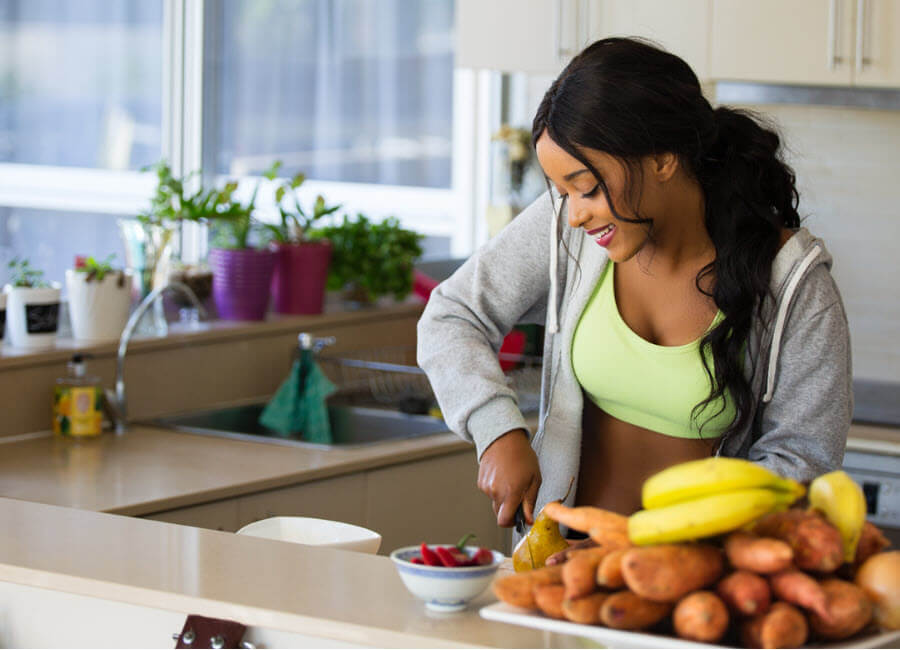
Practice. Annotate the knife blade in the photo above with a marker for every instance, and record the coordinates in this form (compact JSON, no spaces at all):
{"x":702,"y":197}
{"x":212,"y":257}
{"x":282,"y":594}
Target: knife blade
{"x":521,"y":526}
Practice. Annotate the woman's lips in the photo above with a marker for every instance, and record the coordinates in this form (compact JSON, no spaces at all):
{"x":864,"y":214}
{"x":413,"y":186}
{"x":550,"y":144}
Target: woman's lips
{"x":603,"y":235}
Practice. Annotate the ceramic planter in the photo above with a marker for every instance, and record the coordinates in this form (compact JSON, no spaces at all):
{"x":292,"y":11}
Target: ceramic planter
{"x":298,"y":283}
{"x":242,"y":280}
{"x":32,"y":316}
{"x":98,"y":309}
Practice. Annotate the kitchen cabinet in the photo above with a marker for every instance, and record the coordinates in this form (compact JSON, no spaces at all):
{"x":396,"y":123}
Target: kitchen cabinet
{"x":815,"y":42}
{"x":541,"y":36}
{"x":434,"y":499}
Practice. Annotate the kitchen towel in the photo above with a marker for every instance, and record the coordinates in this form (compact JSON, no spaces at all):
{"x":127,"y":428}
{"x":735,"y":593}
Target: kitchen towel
{"x":299,"y":404}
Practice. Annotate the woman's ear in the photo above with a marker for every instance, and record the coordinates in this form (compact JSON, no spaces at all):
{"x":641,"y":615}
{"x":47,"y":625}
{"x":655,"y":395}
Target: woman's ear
{"x":664,"y":166}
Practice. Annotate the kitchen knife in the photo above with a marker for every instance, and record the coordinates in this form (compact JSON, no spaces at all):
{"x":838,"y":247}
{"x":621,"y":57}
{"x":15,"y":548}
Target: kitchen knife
{"x":520,"y":525}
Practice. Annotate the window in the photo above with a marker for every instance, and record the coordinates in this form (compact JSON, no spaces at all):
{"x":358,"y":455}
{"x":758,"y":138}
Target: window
{"x":357,"y":91}
{"x":361,"y":95}
{"x":80,"y":83}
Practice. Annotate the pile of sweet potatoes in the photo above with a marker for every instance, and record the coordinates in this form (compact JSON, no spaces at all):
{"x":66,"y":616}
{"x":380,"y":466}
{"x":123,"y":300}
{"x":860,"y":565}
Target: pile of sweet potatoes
{"x":775,"y":585}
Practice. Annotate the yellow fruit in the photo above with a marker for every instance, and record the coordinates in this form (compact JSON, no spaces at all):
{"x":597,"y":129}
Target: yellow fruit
{"x":704,"y":516}
{"x":697,"y":478}
{"x":841,"y":500}
{"x":543,"y":540}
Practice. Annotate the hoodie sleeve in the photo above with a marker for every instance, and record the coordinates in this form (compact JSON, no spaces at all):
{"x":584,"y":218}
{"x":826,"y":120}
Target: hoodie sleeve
{"x":805,"y":425}
{"x":459,"y":335}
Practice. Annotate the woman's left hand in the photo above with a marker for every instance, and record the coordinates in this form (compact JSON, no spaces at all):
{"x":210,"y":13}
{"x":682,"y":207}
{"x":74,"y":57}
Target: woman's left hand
{"x":574,"y":545}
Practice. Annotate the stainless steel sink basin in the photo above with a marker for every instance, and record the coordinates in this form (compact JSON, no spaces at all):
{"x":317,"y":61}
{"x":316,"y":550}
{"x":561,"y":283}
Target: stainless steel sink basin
{"x":350,"y":425}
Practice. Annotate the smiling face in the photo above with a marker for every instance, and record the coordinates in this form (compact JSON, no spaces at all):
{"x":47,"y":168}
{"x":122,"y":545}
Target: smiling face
{"x":588,"y":207}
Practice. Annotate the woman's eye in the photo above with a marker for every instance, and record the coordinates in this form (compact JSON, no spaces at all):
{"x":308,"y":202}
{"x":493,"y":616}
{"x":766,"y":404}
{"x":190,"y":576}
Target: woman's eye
{"x":592,"y":192}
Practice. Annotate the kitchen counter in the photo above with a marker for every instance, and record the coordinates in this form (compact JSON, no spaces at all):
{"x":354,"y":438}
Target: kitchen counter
{"x":321,"y":593}
{"x":149,"y":469}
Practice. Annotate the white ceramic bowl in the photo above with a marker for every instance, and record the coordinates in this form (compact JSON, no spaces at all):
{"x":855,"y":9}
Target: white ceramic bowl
{"x":315,"y":532}
{"x":444,"y":589}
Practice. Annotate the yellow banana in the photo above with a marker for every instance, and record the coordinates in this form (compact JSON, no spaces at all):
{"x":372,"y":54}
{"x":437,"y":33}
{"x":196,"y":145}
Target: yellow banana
{"x":705,"y":516}
{"x":698,"y":478}
{"x":843,"y":503}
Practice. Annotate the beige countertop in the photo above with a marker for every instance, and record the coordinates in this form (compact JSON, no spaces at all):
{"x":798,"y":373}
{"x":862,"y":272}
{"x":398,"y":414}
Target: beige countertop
{"x":149,"y":469}
{"x":325,"y":593}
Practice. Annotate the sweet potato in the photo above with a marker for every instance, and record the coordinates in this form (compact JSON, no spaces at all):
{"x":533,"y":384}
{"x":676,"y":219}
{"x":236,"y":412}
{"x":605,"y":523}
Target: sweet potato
{"x":700,"y":616}
{"x":816,"y":544}
{"x":625,"y":610}
{"x":798,"y":588}
{"x":783,"y":626}
{"x":517,"y":589}
{"x":758,"y":554}
{"x":609,"y":571}
{"x":745,"y":593}
{"x":584,"y":610}
{"x":579,"y":573}
{"x":584,"y":518}
{"x":549,"y":599}
{"x":871,"y":541}
{"x":849,"y":610}
{"x":666,"y":572}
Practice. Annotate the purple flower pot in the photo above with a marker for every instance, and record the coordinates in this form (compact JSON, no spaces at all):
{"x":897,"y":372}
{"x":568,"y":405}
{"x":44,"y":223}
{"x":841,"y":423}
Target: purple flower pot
{"x":241,"y":282}
{"x":298,"y":284}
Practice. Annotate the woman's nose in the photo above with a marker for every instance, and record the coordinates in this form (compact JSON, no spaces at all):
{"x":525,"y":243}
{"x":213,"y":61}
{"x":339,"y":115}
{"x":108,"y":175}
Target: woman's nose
{"x":578,"y":215}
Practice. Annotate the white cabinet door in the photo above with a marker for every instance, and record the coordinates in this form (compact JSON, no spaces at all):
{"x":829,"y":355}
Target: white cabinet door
{"x":682,"y":26}
{"x":802,"y":41}
{"x":537,"y":36}
{"x":877,"y":45}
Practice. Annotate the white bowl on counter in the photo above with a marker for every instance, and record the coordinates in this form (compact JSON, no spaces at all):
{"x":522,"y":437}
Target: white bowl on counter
{"x":315,"y":532}
{"x":444,"y":589}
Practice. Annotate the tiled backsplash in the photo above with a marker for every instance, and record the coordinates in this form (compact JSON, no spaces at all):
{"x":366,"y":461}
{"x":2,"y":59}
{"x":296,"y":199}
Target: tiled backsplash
{"x":848,"y":173}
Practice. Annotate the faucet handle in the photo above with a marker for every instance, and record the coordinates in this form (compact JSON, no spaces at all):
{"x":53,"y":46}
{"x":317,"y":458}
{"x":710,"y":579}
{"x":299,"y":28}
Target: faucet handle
{"x":307,"y":341}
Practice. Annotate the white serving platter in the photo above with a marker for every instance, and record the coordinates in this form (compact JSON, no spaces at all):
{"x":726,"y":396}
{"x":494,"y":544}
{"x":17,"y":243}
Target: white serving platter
{"x":622,"y":639}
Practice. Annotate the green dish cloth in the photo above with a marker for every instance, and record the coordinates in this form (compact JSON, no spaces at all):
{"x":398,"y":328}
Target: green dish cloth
{"x":299,"y":404}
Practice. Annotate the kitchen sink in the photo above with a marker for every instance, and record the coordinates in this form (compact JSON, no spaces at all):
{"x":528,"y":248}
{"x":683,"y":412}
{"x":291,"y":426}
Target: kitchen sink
{"x":350,"y":425}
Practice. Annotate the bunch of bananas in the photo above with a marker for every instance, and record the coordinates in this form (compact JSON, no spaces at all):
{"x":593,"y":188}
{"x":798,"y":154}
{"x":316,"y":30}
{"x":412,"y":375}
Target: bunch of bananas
{"x":707,"y":497}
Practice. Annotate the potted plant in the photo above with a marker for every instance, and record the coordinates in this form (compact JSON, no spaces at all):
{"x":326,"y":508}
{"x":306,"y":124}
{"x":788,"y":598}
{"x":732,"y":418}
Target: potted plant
{"x":301,"y":268}
{"x":99,"y":299}
{"x":370,"y":260}
{"x":32,"y":309}
{"x":242,"y":273}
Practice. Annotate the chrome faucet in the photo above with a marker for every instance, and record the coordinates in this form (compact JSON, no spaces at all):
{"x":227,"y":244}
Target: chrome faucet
{"x":117,"y":402}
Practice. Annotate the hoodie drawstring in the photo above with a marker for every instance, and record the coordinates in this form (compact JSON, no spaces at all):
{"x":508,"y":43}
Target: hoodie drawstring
{"x":552,"y":315}
{"x":782,"y":317}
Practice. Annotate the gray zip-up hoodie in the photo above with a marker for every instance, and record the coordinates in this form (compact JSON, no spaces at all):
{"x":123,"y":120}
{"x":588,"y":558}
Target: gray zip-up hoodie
{"x":798,"y":354}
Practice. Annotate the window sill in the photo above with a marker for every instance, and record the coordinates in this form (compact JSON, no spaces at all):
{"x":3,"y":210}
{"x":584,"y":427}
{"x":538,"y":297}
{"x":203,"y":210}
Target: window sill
{"x":209,"y":332}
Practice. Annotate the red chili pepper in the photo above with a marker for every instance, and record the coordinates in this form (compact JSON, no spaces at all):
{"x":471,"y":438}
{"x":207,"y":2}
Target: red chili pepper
{"x":417,"y":560}
{"x":430,"y":557}
{"x":446,"y":556}
{"x":483,"y":556}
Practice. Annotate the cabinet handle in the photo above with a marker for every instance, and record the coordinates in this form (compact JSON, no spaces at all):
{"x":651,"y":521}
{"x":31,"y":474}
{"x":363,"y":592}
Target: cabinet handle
{"x":861,"y":59}
{"x":833,"y":58}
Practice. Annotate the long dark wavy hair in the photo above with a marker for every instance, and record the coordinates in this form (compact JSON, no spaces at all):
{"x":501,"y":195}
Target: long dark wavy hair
{"x":629,"y":98}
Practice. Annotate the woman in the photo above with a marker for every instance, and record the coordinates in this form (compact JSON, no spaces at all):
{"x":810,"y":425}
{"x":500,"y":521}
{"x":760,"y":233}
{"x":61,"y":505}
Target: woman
{"x":687,"y":313}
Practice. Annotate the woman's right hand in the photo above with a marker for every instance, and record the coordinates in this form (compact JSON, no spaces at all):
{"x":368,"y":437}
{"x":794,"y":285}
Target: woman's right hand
{"x":510,"y":475}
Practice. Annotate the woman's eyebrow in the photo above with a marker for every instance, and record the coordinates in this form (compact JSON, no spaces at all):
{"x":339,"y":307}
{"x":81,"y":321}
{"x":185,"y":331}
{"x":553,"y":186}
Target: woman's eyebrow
{"x":572,"y":175}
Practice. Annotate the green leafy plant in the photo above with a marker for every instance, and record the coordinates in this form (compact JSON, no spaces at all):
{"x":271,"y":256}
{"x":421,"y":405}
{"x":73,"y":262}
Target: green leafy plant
{"x":375,"y":258}
{"x":22,"y":274}
{"x":170,"y":202}
{"x":295,"y":222}
{"x":98,"y":270}
{"x":233,"y":221}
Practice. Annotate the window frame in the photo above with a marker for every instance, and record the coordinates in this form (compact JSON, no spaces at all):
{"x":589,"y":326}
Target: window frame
{"x":449,"y":212}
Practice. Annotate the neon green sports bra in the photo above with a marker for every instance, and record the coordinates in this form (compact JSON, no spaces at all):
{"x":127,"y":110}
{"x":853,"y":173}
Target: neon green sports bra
{"x":651,"y":386}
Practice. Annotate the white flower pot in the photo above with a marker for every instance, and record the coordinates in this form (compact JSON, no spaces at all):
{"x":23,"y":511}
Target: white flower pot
{"x":32,"y":316}
{"x":98,"y":310}
{"x":2,"y":315}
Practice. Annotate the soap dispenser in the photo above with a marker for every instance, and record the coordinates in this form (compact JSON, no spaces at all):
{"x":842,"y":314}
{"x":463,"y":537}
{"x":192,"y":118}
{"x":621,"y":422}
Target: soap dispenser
{"x":78,"y":402}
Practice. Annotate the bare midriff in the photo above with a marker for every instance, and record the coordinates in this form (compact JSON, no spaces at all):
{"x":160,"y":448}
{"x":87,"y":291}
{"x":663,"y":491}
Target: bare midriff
{"x":617,"y":456}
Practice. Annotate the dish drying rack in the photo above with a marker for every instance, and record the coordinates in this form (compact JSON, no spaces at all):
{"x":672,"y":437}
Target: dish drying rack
{"x":388,"y":376}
